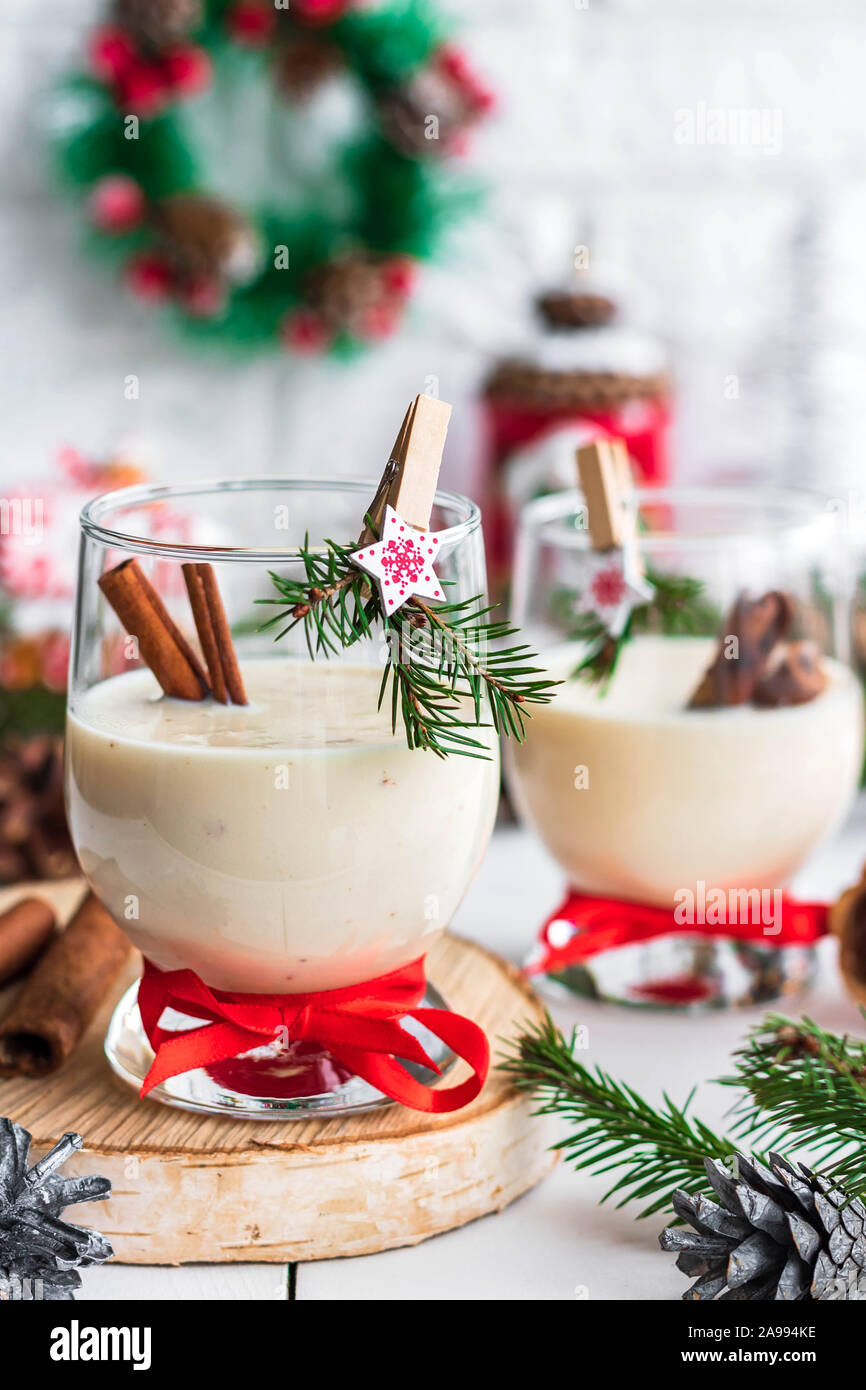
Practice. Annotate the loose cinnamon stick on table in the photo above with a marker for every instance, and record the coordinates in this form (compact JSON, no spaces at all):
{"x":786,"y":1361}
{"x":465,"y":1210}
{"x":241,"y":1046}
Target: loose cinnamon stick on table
{"x":58,"y":1000}
{"x":160,"y":641}
{"x":214,"y":634}
{"x":24,"y":930}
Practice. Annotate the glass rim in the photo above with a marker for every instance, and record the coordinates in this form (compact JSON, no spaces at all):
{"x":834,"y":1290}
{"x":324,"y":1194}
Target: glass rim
{"x":92,"y":514}
{"x":801,"y":509}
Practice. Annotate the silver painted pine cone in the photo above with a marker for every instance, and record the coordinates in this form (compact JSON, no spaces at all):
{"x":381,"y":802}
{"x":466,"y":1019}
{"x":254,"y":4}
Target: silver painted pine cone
{"x":777,"y":1233}
{"x":40,"y":1253}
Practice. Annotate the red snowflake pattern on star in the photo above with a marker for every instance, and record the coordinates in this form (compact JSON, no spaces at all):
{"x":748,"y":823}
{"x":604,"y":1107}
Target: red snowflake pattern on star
{"x":612,"y":586}
{"x":609,"y":588}
{"x":402,"y":562}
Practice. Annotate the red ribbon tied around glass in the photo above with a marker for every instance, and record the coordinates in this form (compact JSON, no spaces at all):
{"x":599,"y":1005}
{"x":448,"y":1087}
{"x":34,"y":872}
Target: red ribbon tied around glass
{"x":358,"y":1025}
{"x":584,"y":925}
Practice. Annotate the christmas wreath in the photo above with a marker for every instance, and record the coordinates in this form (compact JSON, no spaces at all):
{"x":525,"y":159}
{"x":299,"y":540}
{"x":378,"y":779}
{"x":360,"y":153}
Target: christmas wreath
{"x":361,"y":104}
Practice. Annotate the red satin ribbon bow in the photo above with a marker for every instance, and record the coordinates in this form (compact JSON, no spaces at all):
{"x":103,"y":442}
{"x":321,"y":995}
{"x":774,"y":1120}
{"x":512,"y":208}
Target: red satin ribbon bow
{"x":359,"y":1026}
{"x":584,"y":925}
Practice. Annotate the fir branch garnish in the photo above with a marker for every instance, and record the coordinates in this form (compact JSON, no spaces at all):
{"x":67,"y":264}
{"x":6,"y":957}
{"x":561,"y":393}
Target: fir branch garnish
{"x":801,"y":1086}
{"x":614,"y":1128}
{"x":678,"y":608}
{"x":437,"y":657}
{"x":801,"y":1080}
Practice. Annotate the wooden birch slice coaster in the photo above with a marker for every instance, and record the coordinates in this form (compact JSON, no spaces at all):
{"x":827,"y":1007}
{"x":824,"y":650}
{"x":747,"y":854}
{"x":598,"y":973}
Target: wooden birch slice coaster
{"x":190,"y":1187}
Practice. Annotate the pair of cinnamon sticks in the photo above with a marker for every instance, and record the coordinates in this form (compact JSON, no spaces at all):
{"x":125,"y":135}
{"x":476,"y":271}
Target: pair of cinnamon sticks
{"x":72,"y":974}
{"x":162,"y":645}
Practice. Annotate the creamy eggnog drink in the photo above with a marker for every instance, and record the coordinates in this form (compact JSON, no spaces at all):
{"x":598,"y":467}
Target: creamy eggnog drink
{"x":288,"y":845}
{"x":638,"y":796}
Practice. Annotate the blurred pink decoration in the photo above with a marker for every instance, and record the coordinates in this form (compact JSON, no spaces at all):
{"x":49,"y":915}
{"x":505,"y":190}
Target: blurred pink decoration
{"x":37,"y":558}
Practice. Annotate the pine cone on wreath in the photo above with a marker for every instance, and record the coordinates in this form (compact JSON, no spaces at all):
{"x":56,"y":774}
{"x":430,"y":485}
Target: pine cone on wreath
{"x":778,"y":1234}
{"x":36,"y":1246}
{"x":205,"y":241}
{"x":158,"y":23}
{"x":434,"y":109}
{"x":343,"y":290}
{"x":304,"y":62}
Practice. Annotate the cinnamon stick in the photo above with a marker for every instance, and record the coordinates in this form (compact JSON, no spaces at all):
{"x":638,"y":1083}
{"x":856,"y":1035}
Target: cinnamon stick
{"x":160,"y":641}
{"x":206,"y":635}
{"x":24,"y":930}
{"x":794,"y":676}
{"x":58,"y":1000}
{"x":214,"y":634}
{"x":753,"y":629}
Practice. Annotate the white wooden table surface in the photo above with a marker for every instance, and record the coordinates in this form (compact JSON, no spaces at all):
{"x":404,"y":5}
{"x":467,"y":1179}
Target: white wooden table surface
{"x":555,"y":1242}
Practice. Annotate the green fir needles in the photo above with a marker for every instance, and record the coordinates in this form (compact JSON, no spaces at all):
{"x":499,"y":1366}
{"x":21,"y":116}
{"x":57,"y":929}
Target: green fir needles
{"x":446,"y":667}
{"x":800,"y":1088}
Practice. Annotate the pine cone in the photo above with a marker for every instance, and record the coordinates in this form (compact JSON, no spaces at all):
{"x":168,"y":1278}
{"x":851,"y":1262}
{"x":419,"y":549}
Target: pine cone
{"x":34,"y":837}
{"x":36,"y":1247}
{"x":205,"y":240}
{"x":343,"y":291}
{"x":303,"y":63}
{"x":779,"y":1234}
{"x":158,"y":23}
{"x":426,"y":114}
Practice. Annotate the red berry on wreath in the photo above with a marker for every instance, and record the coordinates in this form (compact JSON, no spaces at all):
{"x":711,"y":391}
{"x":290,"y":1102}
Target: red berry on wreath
{"x":111,"y":53}
{"x":204,"y":299}
{"x":143,"y":89}
{"x":188,"y":70}
{"x":320,"y":11}
{"x":456,"y":66}
{"x":399,"y":275}
{"x":305,"y":331}
{"x":252,"y":22}
{"x":116,"y":203}
{"x":149,"y":277}
{"x":379,"y":321}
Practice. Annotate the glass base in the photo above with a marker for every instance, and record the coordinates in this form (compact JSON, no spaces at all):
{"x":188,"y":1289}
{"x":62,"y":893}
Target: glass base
{"x":691,"y":973}
{"x":271,"y":1082}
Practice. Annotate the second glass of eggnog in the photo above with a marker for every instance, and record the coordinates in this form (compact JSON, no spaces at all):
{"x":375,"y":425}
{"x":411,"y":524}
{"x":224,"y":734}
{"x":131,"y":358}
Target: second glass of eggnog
{"x":293,"y":844}
{"x":641,"y":796}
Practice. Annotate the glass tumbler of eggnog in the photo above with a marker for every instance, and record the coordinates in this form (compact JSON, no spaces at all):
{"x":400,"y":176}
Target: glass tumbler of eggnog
{"x":291,"y":845}
{"x":645,"y":795}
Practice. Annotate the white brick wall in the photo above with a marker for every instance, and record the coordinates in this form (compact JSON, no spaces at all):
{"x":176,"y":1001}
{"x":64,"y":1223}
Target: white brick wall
{"x":750,"y":263}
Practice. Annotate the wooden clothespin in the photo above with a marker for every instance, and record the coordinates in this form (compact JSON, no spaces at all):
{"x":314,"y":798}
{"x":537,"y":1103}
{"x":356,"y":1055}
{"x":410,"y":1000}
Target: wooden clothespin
{"x":411,"y":475}
{"x":604,"y":472}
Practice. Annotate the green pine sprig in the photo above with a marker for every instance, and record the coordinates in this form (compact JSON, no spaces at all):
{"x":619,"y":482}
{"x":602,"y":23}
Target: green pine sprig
{"x":796,"y":1078}
{"x":438,"y":658}
{"x":678,"y":608}
{"x":655,"y":1150}
{"x":801,"y":1088}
